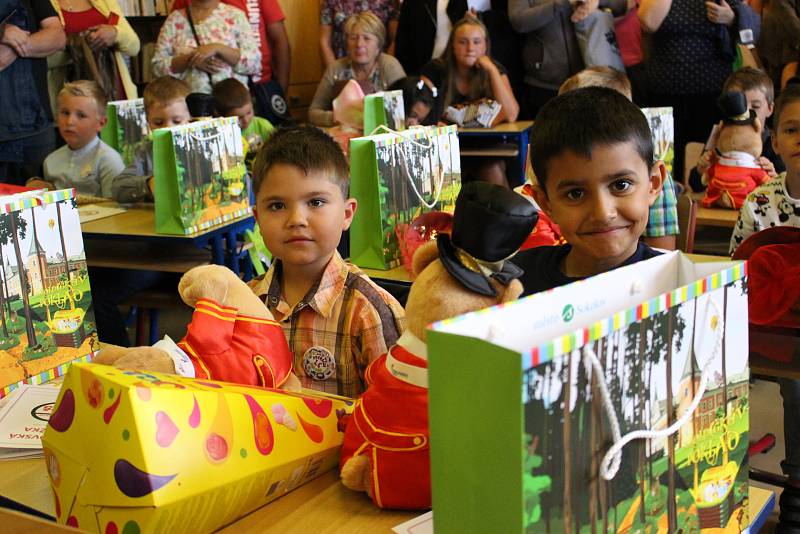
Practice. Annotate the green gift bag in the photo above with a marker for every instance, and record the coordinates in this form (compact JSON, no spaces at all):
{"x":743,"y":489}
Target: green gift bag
{"x":126,"y":126}
{"x":534,"y":405}
{"x":384,"y":109}
{"x":200,"y":178}
{"x":395,"y":177}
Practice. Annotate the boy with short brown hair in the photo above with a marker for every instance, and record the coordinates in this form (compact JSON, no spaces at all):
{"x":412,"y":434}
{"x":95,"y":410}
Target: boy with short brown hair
{"x":165,"y":106}
{"x":336,"y":320}
{"x":232,"y":99}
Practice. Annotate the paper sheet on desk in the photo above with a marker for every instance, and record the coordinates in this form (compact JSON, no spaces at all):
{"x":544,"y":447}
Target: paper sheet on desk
{"x":23,"y":419}
{"x":92,"y":212}
{"x":419,"y":525}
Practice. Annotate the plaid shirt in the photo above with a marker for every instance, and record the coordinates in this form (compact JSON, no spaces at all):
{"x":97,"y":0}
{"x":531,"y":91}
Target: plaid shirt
{"x":663,"y":219}
{"x":342,"y":324}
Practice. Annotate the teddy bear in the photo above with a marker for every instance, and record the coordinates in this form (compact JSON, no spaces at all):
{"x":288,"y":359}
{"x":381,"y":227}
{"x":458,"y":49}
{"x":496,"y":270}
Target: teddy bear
{"x":736,"y":172}
{"x":386,"y":443}
{"x":232,"y":337}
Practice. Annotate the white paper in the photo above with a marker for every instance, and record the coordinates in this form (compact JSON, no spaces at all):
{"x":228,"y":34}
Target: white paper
{"x":419,"y":525}
{"x":92,"y":212}
{"x":24,"y":418}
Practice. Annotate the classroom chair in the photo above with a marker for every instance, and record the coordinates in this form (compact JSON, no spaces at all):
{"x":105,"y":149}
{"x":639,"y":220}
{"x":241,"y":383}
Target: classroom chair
{"x":687,"y":221}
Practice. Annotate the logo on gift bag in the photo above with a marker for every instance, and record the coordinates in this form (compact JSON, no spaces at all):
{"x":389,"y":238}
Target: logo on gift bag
{"x":568,"y":313}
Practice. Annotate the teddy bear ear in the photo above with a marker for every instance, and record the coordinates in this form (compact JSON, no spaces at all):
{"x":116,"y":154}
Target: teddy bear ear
{"x":757,"y":126}
{"x":423,"y":257}
{"x":512,"y":292}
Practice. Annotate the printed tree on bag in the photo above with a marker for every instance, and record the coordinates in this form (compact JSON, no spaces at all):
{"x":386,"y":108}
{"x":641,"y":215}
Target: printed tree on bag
{"x":12,"y":229}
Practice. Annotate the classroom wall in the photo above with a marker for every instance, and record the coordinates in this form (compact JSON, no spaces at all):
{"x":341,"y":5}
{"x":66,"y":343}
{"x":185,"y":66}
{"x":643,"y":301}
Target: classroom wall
{"x":302,"y":25}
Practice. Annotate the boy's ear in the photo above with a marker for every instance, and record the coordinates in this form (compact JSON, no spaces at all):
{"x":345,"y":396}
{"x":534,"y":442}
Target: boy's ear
{"x":350,"y":205}
{"x":770,"y":108}
{"x":101,"y":123}
{"x":540,"y":196}
{"x":658,"y":174}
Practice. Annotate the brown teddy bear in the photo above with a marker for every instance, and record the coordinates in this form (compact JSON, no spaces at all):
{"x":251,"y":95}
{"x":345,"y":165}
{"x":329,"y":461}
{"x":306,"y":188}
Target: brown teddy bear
{"x":736,"y":172}
{"x":386,"y":449}
{"x":232,"y":337}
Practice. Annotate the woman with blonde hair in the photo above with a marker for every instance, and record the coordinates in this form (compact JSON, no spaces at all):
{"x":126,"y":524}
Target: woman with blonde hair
{"x":365,"y":63}
{"x":466,"y":72}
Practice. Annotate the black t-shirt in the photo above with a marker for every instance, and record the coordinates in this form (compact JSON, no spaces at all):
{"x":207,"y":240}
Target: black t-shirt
{"x":542,"y":266}
{"x":38,"y":10}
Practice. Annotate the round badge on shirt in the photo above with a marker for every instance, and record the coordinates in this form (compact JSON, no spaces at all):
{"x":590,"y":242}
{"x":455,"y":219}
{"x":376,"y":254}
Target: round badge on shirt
{"x":319,"y":363}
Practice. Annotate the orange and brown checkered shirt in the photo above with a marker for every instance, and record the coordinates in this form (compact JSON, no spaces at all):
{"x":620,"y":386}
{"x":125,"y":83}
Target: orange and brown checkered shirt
{"x":342,"y":325}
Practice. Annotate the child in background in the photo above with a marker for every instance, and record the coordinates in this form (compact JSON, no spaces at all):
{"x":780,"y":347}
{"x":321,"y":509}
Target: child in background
{"x":760,"y":93}
{"x":466,"y":72}
{"x":232,"y":99}
{"x":662,"y":223}
{"x":419,"y":100}
{"x":164,"y":106}
{"x":592,"y":153}
{"x":777,"y":203}
{"x":336,"y":320}
{"x":85,"y":162}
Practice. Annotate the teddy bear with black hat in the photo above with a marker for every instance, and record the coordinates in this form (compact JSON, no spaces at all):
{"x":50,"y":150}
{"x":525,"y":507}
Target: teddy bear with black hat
{"x":386,"y":444}
{"x":736,"y":172}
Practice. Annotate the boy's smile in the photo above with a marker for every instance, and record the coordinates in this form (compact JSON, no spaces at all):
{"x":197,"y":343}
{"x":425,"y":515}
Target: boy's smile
{"x":302,"y":216}
{"x":601,"y":204}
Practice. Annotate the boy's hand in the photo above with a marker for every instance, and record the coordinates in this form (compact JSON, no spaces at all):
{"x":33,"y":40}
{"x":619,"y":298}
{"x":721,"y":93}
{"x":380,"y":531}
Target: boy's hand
{"x":707,"y":158}
{"x":767,"y":165}
{"x":38,"y":183}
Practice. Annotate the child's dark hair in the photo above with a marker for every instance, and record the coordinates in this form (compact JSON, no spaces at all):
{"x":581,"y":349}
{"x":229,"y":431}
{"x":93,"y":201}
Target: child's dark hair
{"x":749,"y":78}
{"x":230,"y":94}
{"x":306,"y":147}
{"x":200,"y":105}
{"x":789,"y":94}
{"x":582,"y":119}
{"x":416,"y":90}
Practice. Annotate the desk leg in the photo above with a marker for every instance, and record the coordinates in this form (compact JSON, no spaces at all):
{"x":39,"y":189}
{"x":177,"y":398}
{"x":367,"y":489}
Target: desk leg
{"x":523,"y":153}
{"x":217,"y":250}
{"x":232,"y":254}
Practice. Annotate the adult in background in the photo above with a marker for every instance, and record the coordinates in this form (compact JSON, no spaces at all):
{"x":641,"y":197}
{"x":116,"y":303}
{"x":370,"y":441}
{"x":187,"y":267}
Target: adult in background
{"x":424,"y":29}
{"x":550,"y":54}
{"x":692,"y":52}
{"x":365,"y":63}
{"x":266,"y":19}
{"x":104,"y":27}
{"x":334,"y":15}
{"x":32,"y":32}
{"x":206,"y":42}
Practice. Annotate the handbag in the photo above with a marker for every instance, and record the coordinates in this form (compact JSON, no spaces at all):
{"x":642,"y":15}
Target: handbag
{"x":598,"y":42}
{"x":270,"y":102}
{"x":196,"y":38}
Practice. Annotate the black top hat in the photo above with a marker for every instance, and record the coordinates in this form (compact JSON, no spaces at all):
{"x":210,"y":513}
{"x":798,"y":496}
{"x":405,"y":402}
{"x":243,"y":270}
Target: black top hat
{"x":490,"y":223}
{"x":734,"y":108}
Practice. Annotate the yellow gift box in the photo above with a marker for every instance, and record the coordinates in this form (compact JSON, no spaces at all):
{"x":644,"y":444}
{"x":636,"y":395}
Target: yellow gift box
{"x":132,"y":452}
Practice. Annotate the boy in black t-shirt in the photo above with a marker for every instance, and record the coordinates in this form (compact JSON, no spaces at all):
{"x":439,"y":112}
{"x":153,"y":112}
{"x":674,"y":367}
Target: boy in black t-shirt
{"x":592,"y":153}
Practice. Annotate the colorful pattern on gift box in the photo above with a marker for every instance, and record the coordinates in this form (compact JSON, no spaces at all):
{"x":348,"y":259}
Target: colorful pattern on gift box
{"x":411,"y":174}
{"x":126,"y":126}
{"x":212,"y":184}
{"x":653,"y":358}
{"x":46,"y":320}
{"x":145,"y":452}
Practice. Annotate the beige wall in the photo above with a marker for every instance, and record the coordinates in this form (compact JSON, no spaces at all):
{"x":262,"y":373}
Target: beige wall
{"x":302,"y":25}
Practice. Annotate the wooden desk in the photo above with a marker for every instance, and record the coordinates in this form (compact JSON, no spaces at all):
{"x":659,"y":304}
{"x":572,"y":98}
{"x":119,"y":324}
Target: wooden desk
{"x":137,"y":225}
{"x":321,"y":506}
{"x":509,"y":140}
{"x":714,"y":216}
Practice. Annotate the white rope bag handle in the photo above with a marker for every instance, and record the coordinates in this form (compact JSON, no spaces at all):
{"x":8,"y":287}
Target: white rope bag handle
{"x":611,"y":461}
{"x":438,"y":183}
